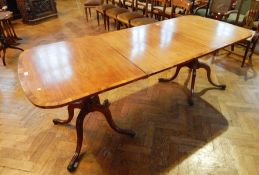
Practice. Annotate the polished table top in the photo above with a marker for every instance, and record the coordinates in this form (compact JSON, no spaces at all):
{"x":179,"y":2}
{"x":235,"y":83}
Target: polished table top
{"x":57,"y":74}
{"x":160,"y":46}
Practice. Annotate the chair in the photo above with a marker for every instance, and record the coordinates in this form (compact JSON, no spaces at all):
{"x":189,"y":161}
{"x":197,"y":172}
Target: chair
{"x":102,"y":10}
{"x":178,"y":8}
{"x":128,"y":4}
{"x":144,"y":6}
{"x":113,"y":13}
{"x":237,"y":16}
{"x":125,"y":18}
{"x":198,"y":4}
{"x":216,"y":9}
{"x":89,"y":4}
{"x":158,"y":8}
{"x":251,"y":42}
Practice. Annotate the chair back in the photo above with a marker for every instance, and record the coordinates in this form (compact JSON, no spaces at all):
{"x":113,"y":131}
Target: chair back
{"x":185,"y":5}
{"x":158,"y":8}
{"x":159,"y":2}
{"x":220,"y":6}
{"x":252,"y":14}
{"x":243,"y":6}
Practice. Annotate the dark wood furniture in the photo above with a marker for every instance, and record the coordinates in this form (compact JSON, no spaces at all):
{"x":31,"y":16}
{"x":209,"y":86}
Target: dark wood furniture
{"x":12,"y":6}
{"x":8,"y":36}
{"x":34,"y":11}
{"x":89,"y":4}
{"x":115,"y":59}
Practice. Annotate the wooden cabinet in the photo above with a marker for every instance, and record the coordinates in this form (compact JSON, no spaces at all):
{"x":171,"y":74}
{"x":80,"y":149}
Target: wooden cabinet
{"x":34,"y":11}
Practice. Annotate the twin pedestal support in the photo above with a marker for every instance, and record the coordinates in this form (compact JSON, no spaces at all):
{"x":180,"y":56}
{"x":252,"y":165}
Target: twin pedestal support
{"x":92,"y":104}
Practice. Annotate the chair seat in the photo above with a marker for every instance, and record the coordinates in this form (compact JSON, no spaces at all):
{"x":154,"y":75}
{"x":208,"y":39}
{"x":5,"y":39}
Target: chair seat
{"x":201,"y":12}
{"x":6,"y":15}
{"x":93,"y":3}
{"x":141,"y":21}
{"x":114,"y":12}
{"x":126,"y":17}
{"x":233,"y":16}
{"x":157,"y":9}
{"x":104,"y":7}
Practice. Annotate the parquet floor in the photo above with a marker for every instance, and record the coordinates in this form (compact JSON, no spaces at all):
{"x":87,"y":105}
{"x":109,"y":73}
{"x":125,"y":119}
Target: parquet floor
{"x":220,"y":135}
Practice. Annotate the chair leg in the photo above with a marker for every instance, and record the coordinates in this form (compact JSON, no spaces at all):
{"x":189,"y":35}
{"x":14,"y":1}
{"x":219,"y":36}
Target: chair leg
{"x":246,"y":52}
{"x":252,"y":50}
{"x":97,"y":16}
{"x":115,"y":23}
{"x":232,"y":47}
{"x":3,"y":58}
{"x":108,"y":22}
{"x":104,"y":21}
{"x":89,"y":9}
{"x":118,"y":25}
{"x":86,"y":14}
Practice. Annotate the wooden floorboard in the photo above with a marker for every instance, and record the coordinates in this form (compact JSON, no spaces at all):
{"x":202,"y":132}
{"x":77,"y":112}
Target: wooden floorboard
{"x":220,"y":135}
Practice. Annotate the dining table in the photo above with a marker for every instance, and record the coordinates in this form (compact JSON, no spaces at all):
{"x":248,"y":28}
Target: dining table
{"x":75,"y":72}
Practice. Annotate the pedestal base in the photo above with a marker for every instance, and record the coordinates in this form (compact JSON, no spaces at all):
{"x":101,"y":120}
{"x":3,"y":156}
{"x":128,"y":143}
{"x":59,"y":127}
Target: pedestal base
{"x":193,"y":65}
{"x":86,"y":106}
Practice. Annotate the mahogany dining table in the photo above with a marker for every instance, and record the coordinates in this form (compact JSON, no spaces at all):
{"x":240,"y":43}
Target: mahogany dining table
{"x":73,"y":73}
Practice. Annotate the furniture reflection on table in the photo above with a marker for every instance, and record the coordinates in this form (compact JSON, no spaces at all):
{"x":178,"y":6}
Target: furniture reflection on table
{"x":116,"y":59}
{"x":8,"y":36}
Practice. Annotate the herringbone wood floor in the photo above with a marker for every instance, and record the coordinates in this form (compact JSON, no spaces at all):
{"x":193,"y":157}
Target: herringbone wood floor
{"x":219,"y":135}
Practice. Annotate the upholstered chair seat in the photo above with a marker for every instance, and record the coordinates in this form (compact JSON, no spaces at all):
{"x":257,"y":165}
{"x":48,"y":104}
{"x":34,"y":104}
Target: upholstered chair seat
{"x":141,"y":21}
{"x":114,"y":12}
{"x":126,"y":17}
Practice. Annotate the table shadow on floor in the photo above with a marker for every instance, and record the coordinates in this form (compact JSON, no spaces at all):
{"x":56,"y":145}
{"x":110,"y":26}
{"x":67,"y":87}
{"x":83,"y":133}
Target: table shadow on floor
{"x":168,"y":131}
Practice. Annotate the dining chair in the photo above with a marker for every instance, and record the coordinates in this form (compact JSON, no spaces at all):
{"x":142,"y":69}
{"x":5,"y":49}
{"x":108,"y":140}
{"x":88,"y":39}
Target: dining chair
{"x":250,"y":43}
{"x":237,"y":15}
{"x":144,"y":6}
{"x":113,"y":13}
{"x":216,"y":9}
{"x":89,"y":4}
{"x":178,"y":8}
{"x":158,"y":8}
{"x":102,"y":10}
{"x":125,"y":18}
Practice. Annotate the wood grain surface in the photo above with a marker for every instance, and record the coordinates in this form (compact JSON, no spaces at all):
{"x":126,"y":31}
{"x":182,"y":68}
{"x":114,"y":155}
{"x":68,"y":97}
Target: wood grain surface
{"x":56,"y":74}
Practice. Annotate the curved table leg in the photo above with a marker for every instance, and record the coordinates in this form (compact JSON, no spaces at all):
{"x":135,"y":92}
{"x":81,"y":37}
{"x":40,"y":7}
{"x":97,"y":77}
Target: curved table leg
{"x":86,"y":106}
{"x":70,"y":108}
{"x":178,"y":68}
{"x":193,"y":65}
{"x":14,"y":47}
{"x":104,"y":109}
{"x":190,"y":101}
{"x":79,"y":131}
{"x":207,"y":68}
